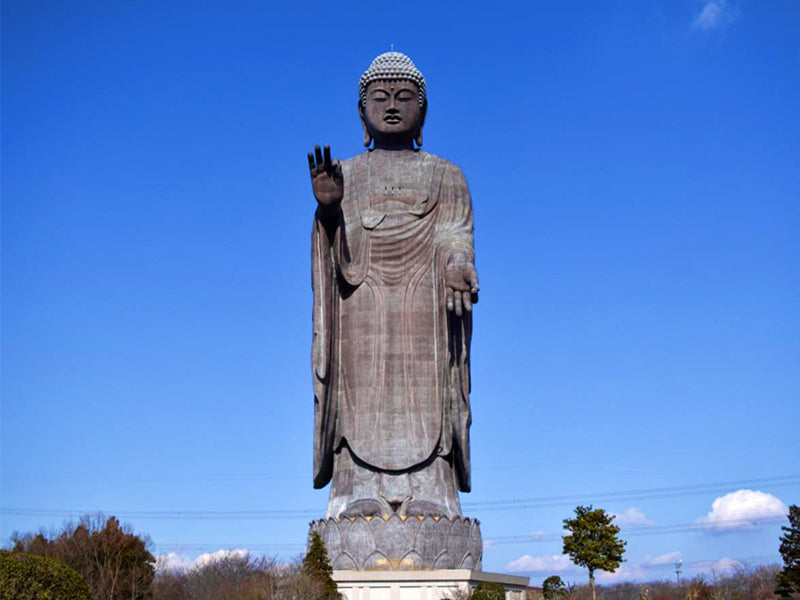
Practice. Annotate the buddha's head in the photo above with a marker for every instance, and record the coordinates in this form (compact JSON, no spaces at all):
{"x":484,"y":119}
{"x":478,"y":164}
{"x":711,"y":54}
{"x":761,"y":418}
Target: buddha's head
{"x":392,"y":102}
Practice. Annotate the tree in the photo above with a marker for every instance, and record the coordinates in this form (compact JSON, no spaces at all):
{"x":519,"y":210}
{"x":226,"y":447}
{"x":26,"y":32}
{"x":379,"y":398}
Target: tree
{"x":116,"y":563}
{"x":317,"y":566}
{"x":30,"y":577}
{"x":788,"y":580}
{"x":553,"y":588}
{"x":592,"y":541}
{"x":488,"y":590}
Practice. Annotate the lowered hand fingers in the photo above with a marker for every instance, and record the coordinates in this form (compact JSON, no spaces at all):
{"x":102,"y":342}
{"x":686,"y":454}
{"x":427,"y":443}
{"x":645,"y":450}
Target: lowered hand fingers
{"x":467,"y":300}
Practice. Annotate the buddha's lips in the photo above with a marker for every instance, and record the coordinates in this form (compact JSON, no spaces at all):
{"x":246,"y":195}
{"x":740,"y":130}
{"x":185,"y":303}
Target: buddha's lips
{"x":392,"y":119}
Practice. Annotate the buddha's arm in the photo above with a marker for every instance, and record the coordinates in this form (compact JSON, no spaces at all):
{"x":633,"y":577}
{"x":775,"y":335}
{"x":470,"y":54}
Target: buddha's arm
{"x":455,"y":242}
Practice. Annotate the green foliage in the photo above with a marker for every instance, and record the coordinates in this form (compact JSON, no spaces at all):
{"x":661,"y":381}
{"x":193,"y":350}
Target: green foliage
{"x":486,"y":590}
{"x":31,"y":577}
{"x":317,"y":566}
{"x":592,"y":541}
{"x":553,"y":588}
{"x":788,"y":580}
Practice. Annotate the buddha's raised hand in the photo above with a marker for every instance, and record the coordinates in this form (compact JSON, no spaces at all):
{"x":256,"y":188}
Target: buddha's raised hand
{"x":461,"y":284}
{"x":326,"y":177}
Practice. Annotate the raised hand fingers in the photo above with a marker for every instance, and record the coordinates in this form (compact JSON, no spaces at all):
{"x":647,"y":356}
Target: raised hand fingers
{"x":320,"y":161}
{"x":327,"y":159}
{"x":311,"y":165}
{"x":318,"y":156}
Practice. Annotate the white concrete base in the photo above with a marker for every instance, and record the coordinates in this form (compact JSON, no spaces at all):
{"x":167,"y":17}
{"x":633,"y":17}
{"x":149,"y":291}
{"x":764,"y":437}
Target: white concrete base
{"x":421,"y":585}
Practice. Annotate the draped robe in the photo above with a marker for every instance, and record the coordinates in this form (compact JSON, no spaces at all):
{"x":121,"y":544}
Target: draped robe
{"x":390,"y":364}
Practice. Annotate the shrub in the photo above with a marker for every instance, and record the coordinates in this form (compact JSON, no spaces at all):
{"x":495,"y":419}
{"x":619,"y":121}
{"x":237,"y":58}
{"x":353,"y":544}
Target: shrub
{"x":30,"y":577}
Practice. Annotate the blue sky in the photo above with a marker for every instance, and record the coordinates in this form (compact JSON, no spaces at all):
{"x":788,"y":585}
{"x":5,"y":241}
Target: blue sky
{"x":634,"y":174}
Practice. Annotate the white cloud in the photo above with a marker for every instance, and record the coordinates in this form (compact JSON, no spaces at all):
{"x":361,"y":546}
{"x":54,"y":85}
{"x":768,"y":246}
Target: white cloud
{"x":633,"y":517}
{"x":715,"y":14}
{"x":174,"y":562}
{"x":540,"y":563}
{"x":208,"y":558}
{"x":742,"y":509}
{"x":642,"y":571}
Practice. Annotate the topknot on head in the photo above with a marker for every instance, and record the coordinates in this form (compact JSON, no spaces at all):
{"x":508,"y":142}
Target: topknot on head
{"x":391,"y":66}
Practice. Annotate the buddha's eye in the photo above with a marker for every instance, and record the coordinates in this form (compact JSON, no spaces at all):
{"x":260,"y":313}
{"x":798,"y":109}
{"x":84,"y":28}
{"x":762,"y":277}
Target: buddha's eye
{"x":379,"y":96}
{"x":405,"y":95}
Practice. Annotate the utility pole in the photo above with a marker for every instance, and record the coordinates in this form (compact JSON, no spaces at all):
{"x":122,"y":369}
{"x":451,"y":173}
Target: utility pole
{"x":679,"y":569}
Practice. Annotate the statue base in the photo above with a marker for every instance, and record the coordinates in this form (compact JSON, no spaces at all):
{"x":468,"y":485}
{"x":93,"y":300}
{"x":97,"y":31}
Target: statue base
{"x":401,"y":543}
{"x":422,"y":585}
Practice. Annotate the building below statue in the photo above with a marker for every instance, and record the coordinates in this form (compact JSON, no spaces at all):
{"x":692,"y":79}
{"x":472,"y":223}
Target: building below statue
{"x":422,"y":585}
{"x":401,"y":543}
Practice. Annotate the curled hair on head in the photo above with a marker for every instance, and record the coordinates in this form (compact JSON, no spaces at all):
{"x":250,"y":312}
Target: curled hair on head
{"x":391,"y":66}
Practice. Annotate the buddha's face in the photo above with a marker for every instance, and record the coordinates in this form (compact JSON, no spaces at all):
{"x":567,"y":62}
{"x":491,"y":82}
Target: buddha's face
{"x":392,"y":110}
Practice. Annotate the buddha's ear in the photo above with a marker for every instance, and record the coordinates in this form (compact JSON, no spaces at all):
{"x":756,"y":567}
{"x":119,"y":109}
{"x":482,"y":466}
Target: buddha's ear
{"x":423,"y":112}
{"x":367,"y":136}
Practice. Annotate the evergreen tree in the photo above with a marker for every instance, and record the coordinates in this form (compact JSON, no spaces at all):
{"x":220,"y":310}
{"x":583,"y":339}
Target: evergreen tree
{"x":317,"y":566}
{"x":789,"y":578}
{"x":553,"y":588}
{"x":592,"y":542}
{"x":487,"y":590}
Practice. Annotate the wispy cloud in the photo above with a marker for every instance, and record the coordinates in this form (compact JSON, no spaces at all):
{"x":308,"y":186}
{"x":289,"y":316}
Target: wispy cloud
{"x":633,"y":517}
{"x":540,"y":563}
{"x":715,"y":14}
{"x":743,"y":509}
{"x":665,"y":559}
{"x":626,"y":572}
{"x":538,"y":534}
{"x":719,"y":567}
{"x":641,"y":571}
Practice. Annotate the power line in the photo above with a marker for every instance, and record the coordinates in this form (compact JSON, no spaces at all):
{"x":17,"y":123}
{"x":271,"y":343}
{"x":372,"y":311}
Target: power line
{"x":539,"y":537}
{"x":488,"y":505}
{"x":636,"y":494}
{"x":646,"y":530}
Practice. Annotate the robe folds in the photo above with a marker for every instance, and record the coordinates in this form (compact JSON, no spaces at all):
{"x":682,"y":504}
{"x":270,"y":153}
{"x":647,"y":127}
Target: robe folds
{"x":390,"y":363}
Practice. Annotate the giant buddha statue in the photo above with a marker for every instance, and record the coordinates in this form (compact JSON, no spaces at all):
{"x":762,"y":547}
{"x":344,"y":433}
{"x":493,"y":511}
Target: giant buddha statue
{"x":394,"y":286}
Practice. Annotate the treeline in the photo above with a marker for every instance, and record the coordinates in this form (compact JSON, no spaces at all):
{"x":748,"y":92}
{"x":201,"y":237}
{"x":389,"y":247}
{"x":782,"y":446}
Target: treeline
{"x":238,"y":577}
{"x":743,"y":583}
{"x":111,"y":562}
{"x":108,"y":559}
